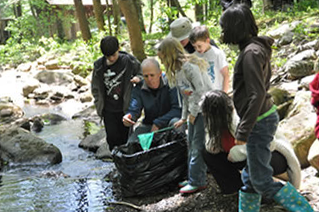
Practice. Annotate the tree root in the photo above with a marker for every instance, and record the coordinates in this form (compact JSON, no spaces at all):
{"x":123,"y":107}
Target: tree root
{"x":126,"y":204}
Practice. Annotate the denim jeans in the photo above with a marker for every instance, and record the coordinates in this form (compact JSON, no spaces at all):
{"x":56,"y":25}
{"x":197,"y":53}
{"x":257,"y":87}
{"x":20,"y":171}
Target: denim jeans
{"x":196,"y":164}
{"x":257,"y":175}
{"x":146,"y":128}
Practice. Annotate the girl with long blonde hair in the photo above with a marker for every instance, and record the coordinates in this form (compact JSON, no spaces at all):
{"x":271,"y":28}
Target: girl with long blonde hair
{"x":189,"y":74}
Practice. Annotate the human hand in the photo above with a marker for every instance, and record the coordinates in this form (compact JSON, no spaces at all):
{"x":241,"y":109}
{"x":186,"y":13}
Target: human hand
{"x":154,"y":128}
{"x":229,"y":158}
{"x":127,"y":120}
{"x":237,"y":142}
{"x":191,"y":119}
{"x":135,"y":80}
{"x":188,"y":92}
{"x":179,"y":123}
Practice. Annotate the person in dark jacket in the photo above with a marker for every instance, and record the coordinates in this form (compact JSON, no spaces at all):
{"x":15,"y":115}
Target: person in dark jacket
{"x":258,"y":116}
{"x":156,"y":98}
{"x":112,"y":81}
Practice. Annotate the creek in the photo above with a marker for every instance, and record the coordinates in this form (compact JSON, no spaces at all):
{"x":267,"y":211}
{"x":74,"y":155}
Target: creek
{"x":28,"y":187}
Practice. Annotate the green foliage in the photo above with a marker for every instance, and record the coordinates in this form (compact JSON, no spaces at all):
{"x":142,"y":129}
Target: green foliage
{"x":31,"y":40}
{"x":14,"y":53}
{"x":306,"y":5}
{"x":150,"y":40}
{"x":90,"y":128}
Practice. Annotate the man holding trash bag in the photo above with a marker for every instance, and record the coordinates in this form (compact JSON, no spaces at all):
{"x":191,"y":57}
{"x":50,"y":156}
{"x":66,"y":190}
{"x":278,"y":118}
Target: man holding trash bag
{"x":159,"y":101}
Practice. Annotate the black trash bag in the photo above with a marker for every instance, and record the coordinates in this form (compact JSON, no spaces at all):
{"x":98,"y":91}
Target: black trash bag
{"x":152,"y":171}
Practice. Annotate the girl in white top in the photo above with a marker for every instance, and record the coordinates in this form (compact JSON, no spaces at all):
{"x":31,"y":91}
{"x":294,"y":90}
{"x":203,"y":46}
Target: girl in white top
{"x":189,"y":73}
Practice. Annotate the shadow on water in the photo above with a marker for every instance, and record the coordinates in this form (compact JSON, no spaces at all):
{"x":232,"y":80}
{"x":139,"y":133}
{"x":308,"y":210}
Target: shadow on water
{"x":81,"y":188}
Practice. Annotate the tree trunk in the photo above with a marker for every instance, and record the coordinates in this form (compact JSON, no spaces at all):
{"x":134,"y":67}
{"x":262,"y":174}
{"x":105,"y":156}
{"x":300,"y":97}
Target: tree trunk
{"x":117,"y":17}
{"x":98,"y":13}
{"x":170,"y":17}
{"x":267,"y":5}
{"x":59,"y":26}
{"x":108,"y":13}
{"x":199,"y":12}
{"x":84,"y":24}
{"x":35,"y":15}
{"x":130,"y":13}
{"x":151,"y":16}
{"x":17,"y":9}
{"x":179,"y":8}
{"x":138,"y":7}
{"x":213,"y":6}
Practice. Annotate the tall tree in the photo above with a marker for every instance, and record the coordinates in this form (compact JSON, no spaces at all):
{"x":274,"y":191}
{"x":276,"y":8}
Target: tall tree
{"x":130,"y":13}
{"x":138,"y":6}
{"x":98,"y":13}
{"x":17,"y":9}
{"x":108,"y":13}
{"x":151,"y":15}
{"x":176,"y":6}
{"x":117,"y":16}
{"x":199,"y":12}
{"x":179,"y":7}
{"x":84,"y":24}
{"x":267,"y":4}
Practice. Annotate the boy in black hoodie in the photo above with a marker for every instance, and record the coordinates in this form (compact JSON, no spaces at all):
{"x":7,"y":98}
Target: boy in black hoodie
{"x":112,"y":81}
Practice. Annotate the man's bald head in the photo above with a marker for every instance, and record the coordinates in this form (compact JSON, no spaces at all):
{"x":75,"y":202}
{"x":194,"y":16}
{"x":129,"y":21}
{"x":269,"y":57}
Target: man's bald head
{"x":151,"y":73}
{"x":150,"y":62}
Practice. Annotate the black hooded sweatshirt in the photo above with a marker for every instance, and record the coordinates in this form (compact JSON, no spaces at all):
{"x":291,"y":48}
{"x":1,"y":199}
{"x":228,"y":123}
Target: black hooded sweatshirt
{"x":251,"y":83}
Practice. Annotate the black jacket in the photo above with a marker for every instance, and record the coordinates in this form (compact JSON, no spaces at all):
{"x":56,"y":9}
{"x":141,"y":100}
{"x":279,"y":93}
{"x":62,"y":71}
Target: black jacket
{"x":159,"y":107}
{"x":251,"y":82}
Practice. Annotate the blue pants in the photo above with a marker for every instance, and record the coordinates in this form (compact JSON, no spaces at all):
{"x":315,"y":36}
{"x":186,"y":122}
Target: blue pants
{"x":196,"y":164}
{"x":257,"y":175}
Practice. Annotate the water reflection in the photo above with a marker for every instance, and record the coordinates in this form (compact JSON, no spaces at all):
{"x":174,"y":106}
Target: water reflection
{"x":27,"y":188}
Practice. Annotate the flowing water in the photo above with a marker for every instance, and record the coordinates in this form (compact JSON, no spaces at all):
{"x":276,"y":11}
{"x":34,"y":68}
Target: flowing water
{"x":28,"y":188}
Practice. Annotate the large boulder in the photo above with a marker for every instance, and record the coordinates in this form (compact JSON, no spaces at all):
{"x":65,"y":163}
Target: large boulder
{"x":30,"y":86}
{"x":89,"y":114}
{"x":283,"y":29}
{"x":9,"y":112}
{"x":93,"y":142}
{"x":24,"y":67}
{"x":281,"y":98}
{"x":298,"y":126}
{"x":18,"y":145}
{"x":103,"y":152}
{"x":58,"y":77}
{"x":301,"y":64}
{"x":52,"y":118}
{"x":313,"y":156}
{"x":52,"y":64}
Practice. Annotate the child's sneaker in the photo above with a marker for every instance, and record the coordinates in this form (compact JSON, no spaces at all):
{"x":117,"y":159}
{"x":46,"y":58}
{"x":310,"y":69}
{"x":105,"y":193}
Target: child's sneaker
{"x":188,"y":189}
{"x":182,"y":184}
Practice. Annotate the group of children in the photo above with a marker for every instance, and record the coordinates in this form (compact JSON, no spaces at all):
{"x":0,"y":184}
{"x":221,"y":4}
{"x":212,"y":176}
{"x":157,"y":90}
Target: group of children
{"x":202,"y":79}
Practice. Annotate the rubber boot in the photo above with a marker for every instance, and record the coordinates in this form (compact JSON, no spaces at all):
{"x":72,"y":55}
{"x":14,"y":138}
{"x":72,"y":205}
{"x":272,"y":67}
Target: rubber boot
{"x":249,"y":202}
{"x":290,"y":198}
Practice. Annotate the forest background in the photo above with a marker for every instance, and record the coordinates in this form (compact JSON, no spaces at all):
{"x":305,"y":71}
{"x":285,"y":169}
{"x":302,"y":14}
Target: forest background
{"x":139,"y":24}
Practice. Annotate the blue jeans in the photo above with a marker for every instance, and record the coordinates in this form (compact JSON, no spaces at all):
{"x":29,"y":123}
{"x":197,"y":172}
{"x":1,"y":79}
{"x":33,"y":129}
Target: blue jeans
{"x":257,"y":175}
{"x":196,"y":164}
{"x":146,"y":128}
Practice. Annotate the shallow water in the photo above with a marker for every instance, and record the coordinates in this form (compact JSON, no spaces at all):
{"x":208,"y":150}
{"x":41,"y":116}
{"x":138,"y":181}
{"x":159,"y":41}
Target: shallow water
{"x":25,"y":188}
